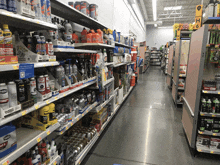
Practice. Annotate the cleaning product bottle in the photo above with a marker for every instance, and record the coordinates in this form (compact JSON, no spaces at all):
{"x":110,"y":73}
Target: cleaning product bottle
{"x":28,"y":41}
{"x":203,"y":106}
{"x":68,"y":31}
{"x":83,"y":36}
{"x":60,"y":74}
{"x":69,"y":70}
{"x":95,"y":38}
{"x":43,"y":44}
{"x":75,"y":38}
{"x":8,"y":46}
{"x":61,"y":29}
{"x":89,"y":38}
{"x":53,"y":147}
{"x":100,"y":32}
{"x":49,"y":150}
{"x":209,"y":106}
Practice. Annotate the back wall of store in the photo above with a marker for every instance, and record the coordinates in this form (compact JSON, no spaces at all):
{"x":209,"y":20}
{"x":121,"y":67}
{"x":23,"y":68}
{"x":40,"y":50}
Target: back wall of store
{"x":118,"y":14}
{"x":158,"y":36}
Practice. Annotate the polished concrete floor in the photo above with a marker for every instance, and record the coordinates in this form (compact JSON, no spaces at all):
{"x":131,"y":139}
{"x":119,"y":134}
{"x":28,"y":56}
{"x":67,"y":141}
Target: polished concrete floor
{"x":146,"y":130}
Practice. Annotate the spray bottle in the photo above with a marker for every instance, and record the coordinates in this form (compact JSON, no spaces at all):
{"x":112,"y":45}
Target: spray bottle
{"x":209,"y":106}
{"x":60,"y":74}
{"x":203,"y":107}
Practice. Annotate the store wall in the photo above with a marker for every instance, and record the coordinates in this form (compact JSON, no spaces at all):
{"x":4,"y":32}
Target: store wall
{"x":158,"y":36}
{"x":117,"y":14}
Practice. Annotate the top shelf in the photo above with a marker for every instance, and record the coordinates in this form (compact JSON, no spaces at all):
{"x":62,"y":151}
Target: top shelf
{"x":19,"y":21}
{"x":63,"y":10}
{"x":212,"y":20}
{"x":122,"y":45}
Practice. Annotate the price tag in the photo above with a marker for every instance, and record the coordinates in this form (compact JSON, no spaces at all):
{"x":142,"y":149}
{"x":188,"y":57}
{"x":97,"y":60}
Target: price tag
{"x":200,"y":150}
{"x":44,"y":65}
{"x":52,"y":64}
{"x":23,"y":112}
{"x":64,"y":94}
{"x":216,"y":46}
{"x":205,"y":92}
{"x":15,"y":67}
{"x":61,"y":132}
{"x":208,"y":45}
{"x":77,"y":119}
{"x":36,"y":107}
{"x":87,"y":111}
{"x":67,"y":128}
{"x":83,"y":114}
{"x":79,"y":162}
{"x":202,"y":114}
{"x":71,"y":124}
{"x":38,"y":139}
{"x":180,"y":75}
{"x":56,"y":98}
{"x":218,"y":93}
{"x":212,"y":152}
{"x":201,"y":132}
{"x":214,"y":134}
{"x":47,"y":101}
{"x":6,"y":163}
{"x":48,"y":132}
{"x":213,"y":115}
{"x":37,"y":22}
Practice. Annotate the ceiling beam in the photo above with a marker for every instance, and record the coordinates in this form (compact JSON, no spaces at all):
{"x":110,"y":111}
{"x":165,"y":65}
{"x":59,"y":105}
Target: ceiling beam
{"x":144,"y":9}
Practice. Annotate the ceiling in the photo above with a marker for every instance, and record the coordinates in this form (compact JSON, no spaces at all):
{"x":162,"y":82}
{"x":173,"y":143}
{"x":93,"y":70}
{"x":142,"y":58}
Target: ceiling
{"x":186,"y":14}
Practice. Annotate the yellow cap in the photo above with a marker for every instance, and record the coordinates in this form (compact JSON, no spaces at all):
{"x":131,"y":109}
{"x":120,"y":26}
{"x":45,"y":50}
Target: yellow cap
{"x":5,"y":26}
{"x":46,"y":108}
{"x":52,"y":106}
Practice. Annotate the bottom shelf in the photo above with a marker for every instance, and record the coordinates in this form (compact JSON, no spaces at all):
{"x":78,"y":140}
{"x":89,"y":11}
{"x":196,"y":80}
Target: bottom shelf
{"x":85,"y":151}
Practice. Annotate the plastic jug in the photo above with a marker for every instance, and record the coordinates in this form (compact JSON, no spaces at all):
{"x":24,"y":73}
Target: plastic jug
{"x":83,"y":36}
{"x":95,"y":38}
{"x":100,"y":35}
{"x":89,"y":37}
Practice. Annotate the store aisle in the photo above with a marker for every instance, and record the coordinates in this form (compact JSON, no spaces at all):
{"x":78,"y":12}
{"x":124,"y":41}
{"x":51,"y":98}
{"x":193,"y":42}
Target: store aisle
{"x":146,"y":130}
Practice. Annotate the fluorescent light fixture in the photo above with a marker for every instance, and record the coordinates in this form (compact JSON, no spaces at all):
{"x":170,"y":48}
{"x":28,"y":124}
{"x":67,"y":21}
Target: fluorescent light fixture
{"x":203,"y":15}
{"x":173,"y":8}
{"x":154,"y":5}
{"x":155,"y":25}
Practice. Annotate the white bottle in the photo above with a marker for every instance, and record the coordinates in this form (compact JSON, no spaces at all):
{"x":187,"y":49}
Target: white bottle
{"x":38,"y":156}
{"x":53,"y":148}
{"x":12,"y":94}
{"x":49,"y":150}
{"x":34,"y":158}
{"x":68,"y":31}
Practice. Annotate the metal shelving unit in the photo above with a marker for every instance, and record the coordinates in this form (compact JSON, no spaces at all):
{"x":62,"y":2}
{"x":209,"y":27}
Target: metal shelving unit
{"x":108,"y":81}
{"x":196,"y":72}
{"x":170,"y":65}
{"x":122,"y":45}
{"x":12,"y":67}
{"x":46,"y":102}
{"x":24,"y":143}
{"x":93,"y":45}
{"x":86,"y":110}
{"x":63,"y":10}
{"x":85,"y":151}
{"x":181,"y":58}
{"x":22,"y":22}
{"x":69,"y":50}
{"x":98,"y":108}
{"x":109,"y":63}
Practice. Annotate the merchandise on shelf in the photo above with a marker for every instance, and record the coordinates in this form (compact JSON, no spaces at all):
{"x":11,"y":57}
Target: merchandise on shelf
{"x":40,"y":119}
{"x":181,"y":83}
{"x":7,"y":139}
{"x":210,"y":105}
{"x":45,"y":152}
